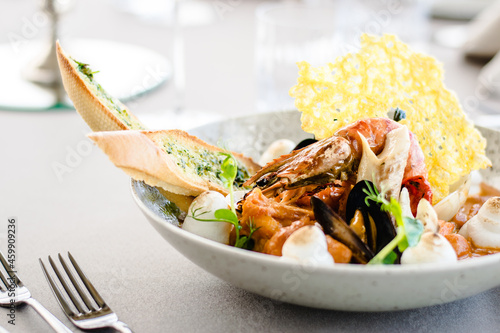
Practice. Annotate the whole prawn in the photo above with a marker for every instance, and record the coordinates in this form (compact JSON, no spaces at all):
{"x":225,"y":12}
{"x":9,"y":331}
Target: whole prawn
{"x":338,"y":157}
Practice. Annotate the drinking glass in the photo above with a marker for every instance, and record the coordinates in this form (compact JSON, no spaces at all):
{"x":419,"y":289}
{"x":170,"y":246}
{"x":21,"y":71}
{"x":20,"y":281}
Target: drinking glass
{"x":285,"y":35}
{"x":408,"y":19}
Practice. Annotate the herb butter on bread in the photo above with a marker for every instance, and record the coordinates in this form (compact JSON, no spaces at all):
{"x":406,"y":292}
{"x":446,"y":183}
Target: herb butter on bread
{"x":101,"y":111}
{"x":171,"y":159}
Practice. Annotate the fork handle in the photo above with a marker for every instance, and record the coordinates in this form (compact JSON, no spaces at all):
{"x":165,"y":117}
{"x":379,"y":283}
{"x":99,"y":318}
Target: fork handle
{"x":49,"y":317}
{"x":121,"y":327}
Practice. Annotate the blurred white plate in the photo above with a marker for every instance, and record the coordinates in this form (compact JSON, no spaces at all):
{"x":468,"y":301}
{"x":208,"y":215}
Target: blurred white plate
{"x":127,"y":71}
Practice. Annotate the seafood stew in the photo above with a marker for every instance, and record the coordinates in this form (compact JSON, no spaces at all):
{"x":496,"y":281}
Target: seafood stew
{"x":375,"y":188}
{"x":282,"y":202}
{"x":331,"y":240}
{"x":380,"y":185}
{"x":339,"y":286}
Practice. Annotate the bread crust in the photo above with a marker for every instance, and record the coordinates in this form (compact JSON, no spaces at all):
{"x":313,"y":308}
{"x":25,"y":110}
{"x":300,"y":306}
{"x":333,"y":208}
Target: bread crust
{"x":139,"y":153}
{"x":95,"y":113}
{"x":141,"y":156}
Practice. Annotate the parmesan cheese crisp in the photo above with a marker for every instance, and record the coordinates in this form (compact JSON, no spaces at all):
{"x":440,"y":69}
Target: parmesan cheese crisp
{"x":384,"y":74}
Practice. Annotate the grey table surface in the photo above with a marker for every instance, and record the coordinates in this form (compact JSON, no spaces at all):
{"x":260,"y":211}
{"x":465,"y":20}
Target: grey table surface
{"x":89,"y":210}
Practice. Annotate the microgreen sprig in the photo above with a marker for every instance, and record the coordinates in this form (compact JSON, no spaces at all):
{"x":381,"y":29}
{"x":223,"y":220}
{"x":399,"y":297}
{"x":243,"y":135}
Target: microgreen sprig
{"x":408,"y":231}
{"x":229,"y":170}
{"x":85,"y":69}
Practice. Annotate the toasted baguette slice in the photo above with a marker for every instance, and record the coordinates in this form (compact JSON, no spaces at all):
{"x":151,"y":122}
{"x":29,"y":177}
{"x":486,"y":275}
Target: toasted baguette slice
{"x":170,"y":159}
{"x":101,"y":111}
{"x":142,"y":154}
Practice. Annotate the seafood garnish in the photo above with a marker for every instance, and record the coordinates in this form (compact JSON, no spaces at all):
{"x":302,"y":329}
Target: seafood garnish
{"x":404,"y":202}
{"x":378,"y":226}
{"x":427,"y":215}
{"x":318,"y":163}
{"x":449,"y":206}
{"x":340,"y":156}
{"x":375,"y":131}
{"x":385,"y":73}
{"x":386,"y":170}
{"x":334,"y":226}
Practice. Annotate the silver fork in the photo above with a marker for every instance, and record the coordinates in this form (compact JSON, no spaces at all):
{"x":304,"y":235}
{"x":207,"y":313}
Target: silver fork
{"x":86,"y":316}
{"x":16,"y":293}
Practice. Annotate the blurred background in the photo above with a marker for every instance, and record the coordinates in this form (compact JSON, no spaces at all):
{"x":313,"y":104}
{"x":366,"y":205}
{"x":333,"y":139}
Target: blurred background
{"x":208,"y":59}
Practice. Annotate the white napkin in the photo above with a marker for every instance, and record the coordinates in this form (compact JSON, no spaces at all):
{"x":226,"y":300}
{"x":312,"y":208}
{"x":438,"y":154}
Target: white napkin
{"x":489,"y":77}
{"x":458,"y":9}
{"x":483,"y":39}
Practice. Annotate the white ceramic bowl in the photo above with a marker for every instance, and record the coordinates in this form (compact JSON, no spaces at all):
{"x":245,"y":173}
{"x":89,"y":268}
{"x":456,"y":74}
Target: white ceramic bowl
{"x":341,"y":287}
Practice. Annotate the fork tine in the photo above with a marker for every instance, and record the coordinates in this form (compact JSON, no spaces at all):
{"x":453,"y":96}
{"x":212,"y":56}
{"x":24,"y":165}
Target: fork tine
{"x":84,"y":297}
{"x":9,"y":270}
{"x":69,"y":292}
{"x":56,"y":291}
{"x":4,"y":280}
{"x":93,"y":292}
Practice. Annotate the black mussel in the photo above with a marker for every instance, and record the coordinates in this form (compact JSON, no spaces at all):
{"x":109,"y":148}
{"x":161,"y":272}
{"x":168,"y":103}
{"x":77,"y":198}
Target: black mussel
{"x":305,"y":143}
{"x":378,"y":225}
{"x":336,"y":227}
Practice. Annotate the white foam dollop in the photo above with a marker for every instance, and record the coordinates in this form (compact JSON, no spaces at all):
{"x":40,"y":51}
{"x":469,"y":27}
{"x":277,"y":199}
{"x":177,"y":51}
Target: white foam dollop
{"x":275,"y":150}
{"x":208,"y":202}
{"x":307,"y":245}
{"x":484,"y":228}
{"x":432,"y":248}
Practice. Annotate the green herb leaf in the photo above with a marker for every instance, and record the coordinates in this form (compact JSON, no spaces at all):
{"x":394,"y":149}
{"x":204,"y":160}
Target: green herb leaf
{"x":408,"y":231}
{"x":403,"y":245}
{"x":246,"y":242}
{"x":390,"y":258}
{"x":241,"y":242}
{"x":226,"y":215}
{"x":229,"y":169}
{"x":414,"y":230}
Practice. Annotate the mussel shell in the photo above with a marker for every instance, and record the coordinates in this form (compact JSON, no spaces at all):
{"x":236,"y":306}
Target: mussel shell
{"x":385,"y":228}
{"x":305,"y":143}
{"x":336,"y":227}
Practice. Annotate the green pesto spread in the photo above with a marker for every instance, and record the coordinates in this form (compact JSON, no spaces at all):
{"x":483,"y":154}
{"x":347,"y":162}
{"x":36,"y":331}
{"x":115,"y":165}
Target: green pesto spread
{"x":112,"y":103}
{"x":202,"y":162}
